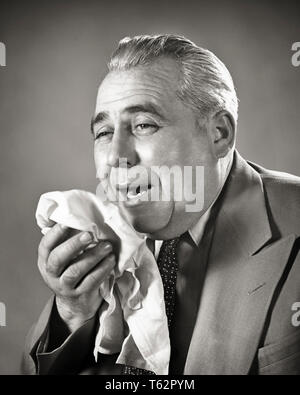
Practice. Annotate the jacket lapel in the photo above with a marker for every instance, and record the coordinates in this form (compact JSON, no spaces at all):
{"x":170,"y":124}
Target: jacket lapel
{"x":243,"y":271}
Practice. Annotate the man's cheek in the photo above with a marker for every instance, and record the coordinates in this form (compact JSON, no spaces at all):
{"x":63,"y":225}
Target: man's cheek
{"x":171,"y":185}
{"x":102,"y":169}
{"x":154,"y":153}
{"x":100,"y":160}
{"x":103,"y":190}
{"x":194,"y":184}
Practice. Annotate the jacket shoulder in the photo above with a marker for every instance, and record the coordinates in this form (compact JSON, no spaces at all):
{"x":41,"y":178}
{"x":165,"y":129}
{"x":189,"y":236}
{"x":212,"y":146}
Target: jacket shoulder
{"x":282,"y":191}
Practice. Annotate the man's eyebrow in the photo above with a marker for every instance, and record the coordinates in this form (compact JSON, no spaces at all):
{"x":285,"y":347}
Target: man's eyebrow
{"x":147,"y":108}
{"x":100,"y":117}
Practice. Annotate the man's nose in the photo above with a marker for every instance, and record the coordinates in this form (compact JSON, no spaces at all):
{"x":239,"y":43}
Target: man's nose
{"x":122,"y":150}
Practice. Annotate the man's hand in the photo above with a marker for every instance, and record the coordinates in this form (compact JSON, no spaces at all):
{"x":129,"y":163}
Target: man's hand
{"x":74,"y":276}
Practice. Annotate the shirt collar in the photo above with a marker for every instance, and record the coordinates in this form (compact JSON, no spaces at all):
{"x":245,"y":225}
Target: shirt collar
{"x":197,"y":230}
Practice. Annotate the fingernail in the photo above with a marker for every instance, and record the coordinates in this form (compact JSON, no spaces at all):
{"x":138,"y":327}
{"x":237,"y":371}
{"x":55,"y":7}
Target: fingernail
{"x":85,"y":237}
{"x":107,"y":246}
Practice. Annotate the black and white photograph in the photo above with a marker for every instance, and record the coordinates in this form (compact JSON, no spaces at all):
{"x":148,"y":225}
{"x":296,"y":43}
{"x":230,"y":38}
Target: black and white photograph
{"x":150,"y":190}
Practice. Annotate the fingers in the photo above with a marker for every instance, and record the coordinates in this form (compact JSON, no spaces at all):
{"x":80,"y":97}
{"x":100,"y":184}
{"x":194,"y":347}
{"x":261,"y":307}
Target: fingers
{"x":57,"y":234}
{"x":93,"y":280}
{"x":73,"y":268}
{"x":62,"y":255}
{"x":82,"y":265}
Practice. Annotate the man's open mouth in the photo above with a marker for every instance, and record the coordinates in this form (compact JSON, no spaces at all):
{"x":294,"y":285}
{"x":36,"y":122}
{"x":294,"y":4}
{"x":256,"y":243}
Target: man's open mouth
{"x":134,"y":187}
{"x":134,"y":192}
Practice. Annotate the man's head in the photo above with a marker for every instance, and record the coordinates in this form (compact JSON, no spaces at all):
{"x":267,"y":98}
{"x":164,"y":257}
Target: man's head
{"x":165,"y":102}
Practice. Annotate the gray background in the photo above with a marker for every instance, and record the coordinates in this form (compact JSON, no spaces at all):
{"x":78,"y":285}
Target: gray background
{"x":56,"y":55}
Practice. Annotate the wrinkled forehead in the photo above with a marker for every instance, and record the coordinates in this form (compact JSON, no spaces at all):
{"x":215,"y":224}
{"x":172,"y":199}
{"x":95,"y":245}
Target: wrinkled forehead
{"x":155,"y":82}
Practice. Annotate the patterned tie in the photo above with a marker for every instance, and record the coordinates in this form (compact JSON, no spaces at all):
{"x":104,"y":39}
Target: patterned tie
{"x":168,"y":267}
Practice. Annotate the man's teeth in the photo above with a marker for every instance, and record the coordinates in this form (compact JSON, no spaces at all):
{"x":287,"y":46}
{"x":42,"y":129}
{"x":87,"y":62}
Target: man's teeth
{"x":131,"y":194}
{"x":134,"y":193}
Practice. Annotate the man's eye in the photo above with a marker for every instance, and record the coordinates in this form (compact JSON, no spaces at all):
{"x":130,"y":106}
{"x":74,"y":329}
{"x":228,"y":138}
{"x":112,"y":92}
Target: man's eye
{"x":104,"y":136}
{"x":146,"y":128}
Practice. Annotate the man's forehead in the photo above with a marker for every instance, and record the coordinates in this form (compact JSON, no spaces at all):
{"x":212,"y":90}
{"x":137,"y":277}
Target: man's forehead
{"x":156,"y":81}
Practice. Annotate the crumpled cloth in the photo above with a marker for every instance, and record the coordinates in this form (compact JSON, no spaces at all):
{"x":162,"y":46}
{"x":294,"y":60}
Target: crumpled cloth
{"x":133,"y":319}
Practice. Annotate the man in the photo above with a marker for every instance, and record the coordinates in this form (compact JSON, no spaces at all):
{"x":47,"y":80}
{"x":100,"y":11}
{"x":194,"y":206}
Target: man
{"x":167,"y":102}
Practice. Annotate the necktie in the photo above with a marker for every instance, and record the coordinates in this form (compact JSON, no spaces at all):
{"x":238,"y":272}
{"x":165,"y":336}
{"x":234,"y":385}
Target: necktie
{"x":168,"y":267}
{"x":191,"y":271}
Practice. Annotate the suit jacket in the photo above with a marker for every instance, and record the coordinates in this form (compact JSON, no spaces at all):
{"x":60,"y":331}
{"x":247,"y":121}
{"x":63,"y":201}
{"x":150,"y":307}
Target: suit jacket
{"x":245,"y":321}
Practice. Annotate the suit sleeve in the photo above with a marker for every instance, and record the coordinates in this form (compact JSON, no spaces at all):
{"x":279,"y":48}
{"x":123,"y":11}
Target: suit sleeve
{"x":50,"y":350}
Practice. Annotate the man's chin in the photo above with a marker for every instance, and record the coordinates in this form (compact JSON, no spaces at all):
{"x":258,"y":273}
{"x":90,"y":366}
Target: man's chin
{"x":150,"y":217}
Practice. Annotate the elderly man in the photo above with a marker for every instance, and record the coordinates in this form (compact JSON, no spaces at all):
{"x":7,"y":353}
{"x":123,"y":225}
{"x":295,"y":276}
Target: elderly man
{"x":167,"y":102}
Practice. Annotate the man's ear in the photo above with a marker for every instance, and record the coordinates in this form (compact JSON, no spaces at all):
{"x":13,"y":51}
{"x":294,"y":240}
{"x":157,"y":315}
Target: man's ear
{"x":222,"y":132}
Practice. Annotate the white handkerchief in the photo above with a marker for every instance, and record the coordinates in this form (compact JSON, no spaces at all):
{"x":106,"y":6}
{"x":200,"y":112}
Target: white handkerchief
{"x":133,"y":319}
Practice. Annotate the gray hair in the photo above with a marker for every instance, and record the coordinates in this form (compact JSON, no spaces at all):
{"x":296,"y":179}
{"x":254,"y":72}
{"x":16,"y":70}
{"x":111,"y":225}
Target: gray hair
{"x":206,"y":84}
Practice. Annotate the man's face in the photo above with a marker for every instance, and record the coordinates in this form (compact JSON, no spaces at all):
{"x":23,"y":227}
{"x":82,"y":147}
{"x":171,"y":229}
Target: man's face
{"x":139,"y":117}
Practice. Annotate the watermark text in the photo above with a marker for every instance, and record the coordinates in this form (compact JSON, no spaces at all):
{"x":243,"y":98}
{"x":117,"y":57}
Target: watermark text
{"x":155,"y":183}
{"x":2,"y":314}
{"x":296,"y":316}
{"x":296,"y":55}
{"x":2,"y":54}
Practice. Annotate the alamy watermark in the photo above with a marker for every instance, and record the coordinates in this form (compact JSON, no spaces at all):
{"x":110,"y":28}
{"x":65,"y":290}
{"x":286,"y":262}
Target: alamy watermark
{"x":296,"y":316}
{"x":296,"y":56}
{"x":156,"y":183}
{"x":2,"y":314}
{"x":2,"y":54}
